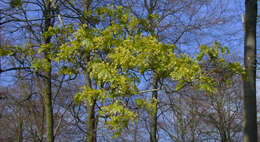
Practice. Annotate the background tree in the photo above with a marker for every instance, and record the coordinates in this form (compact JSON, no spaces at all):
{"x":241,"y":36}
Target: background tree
{"x":250,"y":111}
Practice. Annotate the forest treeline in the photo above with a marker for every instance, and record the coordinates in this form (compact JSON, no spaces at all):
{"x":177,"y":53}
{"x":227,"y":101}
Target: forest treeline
{"x":127,"y":70}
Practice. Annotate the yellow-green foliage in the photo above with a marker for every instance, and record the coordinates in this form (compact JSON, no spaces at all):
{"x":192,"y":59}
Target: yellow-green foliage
{"x":115,"y":54}
{"x":147,"y":105}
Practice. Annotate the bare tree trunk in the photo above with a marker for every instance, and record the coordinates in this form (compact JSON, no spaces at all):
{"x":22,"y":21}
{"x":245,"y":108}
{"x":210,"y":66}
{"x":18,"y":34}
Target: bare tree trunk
{"x":135,"y":132}
{"x":223,"y":135}
{"x":48,"y":106}
{"x":91,"y":123}
{"x":250,"y":114}
{"x":153,"y":121}
{"x":92,"y":120}
{"x":20,"y":130}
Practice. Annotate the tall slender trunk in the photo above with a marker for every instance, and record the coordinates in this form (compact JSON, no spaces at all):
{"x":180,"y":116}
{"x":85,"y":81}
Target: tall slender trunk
{"x":91,"y":123}
{"x":193,"y":119}
{"x":221,"y":120}
{"x":249,"y":83}
{"x":229,"y":126}
{"x":48,"y":104}
{"x":47,"y":76}
{"x":153,"y":121}
{"x":91,"y":120}
{"x":20,"y":130}
{"x":223,"y":135}
{"x":135,"y":131}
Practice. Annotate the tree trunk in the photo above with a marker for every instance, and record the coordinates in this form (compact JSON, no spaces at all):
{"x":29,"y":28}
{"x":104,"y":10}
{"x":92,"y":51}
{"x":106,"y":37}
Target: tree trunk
{"x":47,"y":76}
{"x":223,"y":135}
{"x":20,"y":130}
{"x":48,"y":103}
{"x":153,"y":121}
{"x":91,"y":123}
{"x":91,"y":120}
{"x":135,"y":132}
{"x":48,"y":106}
{"x":249,"y":83}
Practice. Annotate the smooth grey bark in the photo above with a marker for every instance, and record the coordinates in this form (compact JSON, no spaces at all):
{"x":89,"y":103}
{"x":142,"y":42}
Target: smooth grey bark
{"x":249,"y":83}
